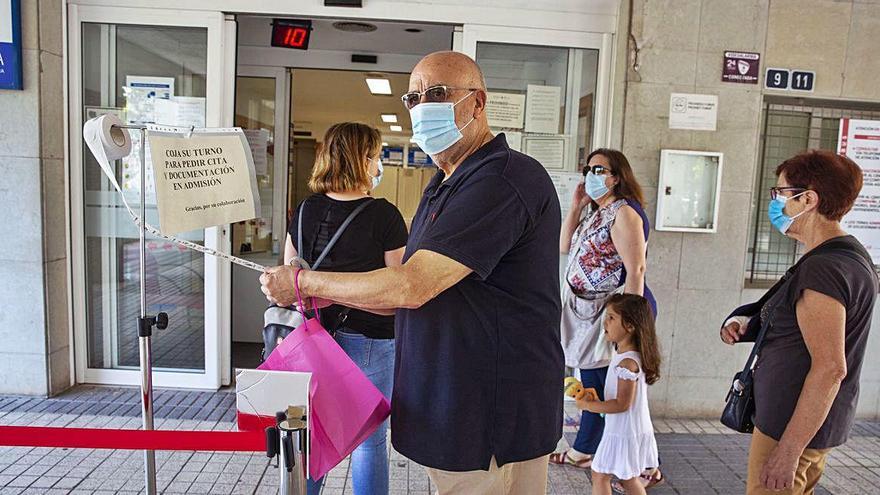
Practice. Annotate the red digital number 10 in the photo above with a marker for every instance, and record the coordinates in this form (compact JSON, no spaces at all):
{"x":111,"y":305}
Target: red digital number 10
{"x":295,"y":36}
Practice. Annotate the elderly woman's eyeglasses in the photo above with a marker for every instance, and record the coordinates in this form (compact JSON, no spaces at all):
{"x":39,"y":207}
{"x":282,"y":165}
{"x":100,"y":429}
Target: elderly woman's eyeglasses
{"x":434,"y":94}
{"x":598,"y":170}
{"x":775,"y":192}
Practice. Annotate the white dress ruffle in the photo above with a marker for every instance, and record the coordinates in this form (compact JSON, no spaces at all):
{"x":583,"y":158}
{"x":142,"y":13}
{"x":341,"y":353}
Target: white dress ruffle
{"x":628,"y":445}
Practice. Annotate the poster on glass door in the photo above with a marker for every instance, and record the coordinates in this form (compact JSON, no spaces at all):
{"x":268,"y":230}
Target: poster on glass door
{"x":141,"y":94}
{"x":859,"y":140}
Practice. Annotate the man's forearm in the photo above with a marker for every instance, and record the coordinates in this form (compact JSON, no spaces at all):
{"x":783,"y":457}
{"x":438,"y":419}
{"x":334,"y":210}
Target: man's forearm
{"x":375,"y":311}
{"x":817,"y":395}
{"x":379,"y":290}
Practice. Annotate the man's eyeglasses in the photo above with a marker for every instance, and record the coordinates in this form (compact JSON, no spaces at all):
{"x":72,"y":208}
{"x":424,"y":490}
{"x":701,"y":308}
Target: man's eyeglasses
{"x":434,"y":94}
{"x":775,"y":192}
{"x":598,"y":170}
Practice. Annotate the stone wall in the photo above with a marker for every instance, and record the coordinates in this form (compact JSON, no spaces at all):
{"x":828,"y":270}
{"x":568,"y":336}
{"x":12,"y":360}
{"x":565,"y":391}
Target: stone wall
{"x":699,"y":278}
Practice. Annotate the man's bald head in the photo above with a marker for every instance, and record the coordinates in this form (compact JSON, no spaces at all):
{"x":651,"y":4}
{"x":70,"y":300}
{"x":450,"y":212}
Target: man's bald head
{"x":449,"y":68}
{"x":466,"y":91}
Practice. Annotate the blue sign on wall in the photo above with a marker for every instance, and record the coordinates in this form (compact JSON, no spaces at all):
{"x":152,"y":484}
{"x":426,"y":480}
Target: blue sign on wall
{"x":418,"y":158}
{"x":10,"y":44}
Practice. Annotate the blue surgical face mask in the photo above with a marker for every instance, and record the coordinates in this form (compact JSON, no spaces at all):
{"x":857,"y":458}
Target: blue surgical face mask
{"x":378,"y":178}
{"x":595,"y":186}
{"x":433,"y":126}
{"x":776,"y":213}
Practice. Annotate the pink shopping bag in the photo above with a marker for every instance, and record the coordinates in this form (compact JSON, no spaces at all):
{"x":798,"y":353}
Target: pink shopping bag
{"x":346,"y":407}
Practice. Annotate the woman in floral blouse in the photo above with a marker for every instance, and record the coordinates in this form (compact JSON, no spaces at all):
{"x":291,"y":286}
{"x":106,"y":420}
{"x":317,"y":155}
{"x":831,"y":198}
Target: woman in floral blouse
{"x":605,"y":234}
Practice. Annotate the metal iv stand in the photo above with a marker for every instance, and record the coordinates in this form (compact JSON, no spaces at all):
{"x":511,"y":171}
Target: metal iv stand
{"x":145,"y":322}
{"x":288,"y":439}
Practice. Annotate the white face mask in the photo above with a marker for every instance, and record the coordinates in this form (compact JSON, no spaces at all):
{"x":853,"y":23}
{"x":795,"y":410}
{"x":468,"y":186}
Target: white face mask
{"x":378,"y":178}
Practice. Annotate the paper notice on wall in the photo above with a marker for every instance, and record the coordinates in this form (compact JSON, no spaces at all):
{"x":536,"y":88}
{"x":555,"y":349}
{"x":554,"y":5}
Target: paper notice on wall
{"x":548,"y":150}
{"x":258,"y":140}
{"x":203,"y":180}
{"x":141,"y":93}
{"x":180,"y":111}
{"x":859,"y":140}
{"x":693,"y":112}
{"x":565,"y":184}
{"x":542,"y":109}
{"x":505,"y":110}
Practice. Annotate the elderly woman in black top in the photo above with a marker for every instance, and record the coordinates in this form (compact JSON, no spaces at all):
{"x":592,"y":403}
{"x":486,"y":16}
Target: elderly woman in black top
{"x":806,"y":380}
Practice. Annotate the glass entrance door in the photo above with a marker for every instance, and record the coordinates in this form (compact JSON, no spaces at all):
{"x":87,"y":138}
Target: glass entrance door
{"x":123,"y":61}
{"x":261,"y":110}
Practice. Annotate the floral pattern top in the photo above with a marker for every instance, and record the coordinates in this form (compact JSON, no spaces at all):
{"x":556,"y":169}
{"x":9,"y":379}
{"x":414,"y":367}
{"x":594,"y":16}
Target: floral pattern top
{"x":595,"y":265}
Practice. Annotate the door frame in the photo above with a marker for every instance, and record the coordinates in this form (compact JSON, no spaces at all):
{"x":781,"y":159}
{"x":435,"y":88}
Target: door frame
{"x":215,"y":116}
{"x":282,"y":119}
{"x":281,"y":75}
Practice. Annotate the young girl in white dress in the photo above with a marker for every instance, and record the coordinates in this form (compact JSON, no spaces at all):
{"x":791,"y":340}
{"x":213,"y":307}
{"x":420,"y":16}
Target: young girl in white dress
{"x":628,"y":443}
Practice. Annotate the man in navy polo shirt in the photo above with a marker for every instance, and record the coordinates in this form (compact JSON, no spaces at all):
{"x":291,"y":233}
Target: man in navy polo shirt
{"x":479,"y":367}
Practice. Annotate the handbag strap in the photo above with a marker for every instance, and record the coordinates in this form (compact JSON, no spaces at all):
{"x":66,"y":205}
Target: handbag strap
{"x":838,"y":245}
{"x":299,"y":298}
{"x":336,"y":236}
{"x":764,"y":326}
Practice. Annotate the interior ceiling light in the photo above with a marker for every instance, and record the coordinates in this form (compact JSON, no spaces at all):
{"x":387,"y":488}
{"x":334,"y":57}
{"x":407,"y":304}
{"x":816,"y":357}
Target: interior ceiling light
{"x":355,"y":27}
{"x":396,"y":128}
{"x":384,"y":143}
{"x":389,"y":118}
{"x":379,"y":86}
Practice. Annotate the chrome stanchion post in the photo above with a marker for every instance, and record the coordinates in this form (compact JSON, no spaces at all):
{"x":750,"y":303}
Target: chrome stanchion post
{"x":145,"y":323}
{"x":291,"y":439}
{"x":145,"y":329}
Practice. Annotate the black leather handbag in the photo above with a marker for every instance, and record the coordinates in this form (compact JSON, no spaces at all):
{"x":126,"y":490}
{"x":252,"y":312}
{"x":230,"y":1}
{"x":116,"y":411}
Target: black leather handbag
{"x":740,"y":407}
{"x":280,"y":321}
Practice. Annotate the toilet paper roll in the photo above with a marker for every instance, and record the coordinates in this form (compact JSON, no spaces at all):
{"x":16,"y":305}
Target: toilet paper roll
{"x":108,"y":142}
{"x":114,"y":141}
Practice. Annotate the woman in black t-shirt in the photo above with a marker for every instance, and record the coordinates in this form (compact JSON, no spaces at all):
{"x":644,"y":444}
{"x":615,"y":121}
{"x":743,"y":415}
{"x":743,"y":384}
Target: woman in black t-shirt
{"x":806,"y":378}
{"x":346,"y":169}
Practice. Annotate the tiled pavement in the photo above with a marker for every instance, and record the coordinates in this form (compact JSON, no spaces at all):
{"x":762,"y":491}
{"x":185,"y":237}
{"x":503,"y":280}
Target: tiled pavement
{"x":699,"y":457}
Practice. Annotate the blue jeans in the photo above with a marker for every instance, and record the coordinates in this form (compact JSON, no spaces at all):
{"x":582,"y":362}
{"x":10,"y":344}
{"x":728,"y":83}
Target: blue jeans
{"x":590,"y":431}
{"x":369,"y":461}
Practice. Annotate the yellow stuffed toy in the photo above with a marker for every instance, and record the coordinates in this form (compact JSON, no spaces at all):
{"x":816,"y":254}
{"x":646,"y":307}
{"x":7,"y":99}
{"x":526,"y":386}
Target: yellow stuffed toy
{"x":574,"y":388}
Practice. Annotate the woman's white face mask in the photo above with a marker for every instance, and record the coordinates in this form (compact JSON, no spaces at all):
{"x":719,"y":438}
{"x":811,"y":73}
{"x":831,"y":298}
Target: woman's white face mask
{"x":378,"y":177}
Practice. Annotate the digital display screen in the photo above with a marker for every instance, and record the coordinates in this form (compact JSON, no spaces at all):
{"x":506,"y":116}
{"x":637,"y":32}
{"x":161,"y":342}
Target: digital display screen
{"x":288,"y":33}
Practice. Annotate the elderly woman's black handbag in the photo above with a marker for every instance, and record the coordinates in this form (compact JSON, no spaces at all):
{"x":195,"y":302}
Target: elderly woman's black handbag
{"x":740,"y":408}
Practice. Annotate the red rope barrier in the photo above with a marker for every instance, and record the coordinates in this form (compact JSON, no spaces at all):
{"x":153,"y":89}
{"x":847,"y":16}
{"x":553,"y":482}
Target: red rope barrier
{"x":105,"y":438}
